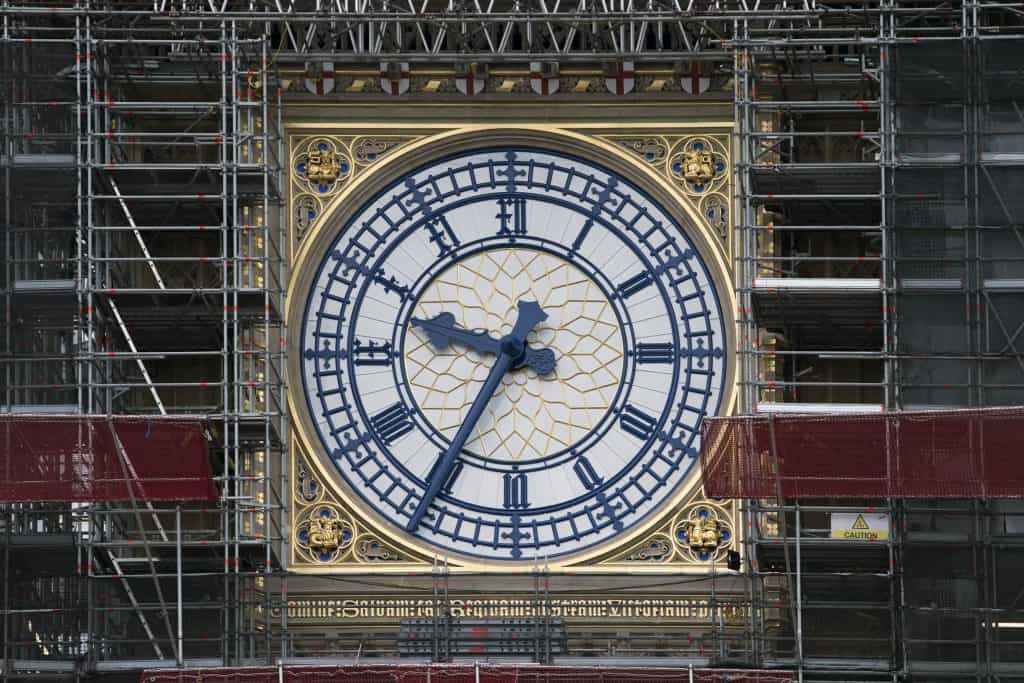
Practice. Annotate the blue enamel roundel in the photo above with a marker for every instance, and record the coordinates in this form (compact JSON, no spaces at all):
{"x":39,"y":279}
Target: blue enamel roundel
{"x":508,"y":353}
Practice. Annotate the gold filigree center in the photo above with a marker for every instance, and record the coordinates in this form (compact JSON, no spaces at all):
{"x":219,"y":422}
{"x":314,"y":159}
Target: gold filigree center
{"x":529,"y":416}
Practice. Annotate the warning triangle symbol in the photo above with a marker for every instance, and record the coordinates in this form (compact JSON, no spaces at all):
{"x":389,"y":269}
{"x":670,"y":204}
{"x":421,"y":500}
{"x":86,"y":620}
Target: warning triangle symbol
{"x":859,"y":523}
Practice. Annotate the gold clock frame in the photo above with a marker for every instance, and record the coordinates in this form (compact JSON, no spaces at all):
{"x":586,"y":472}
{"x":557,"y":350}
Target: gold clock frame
{"x":351,"y":537}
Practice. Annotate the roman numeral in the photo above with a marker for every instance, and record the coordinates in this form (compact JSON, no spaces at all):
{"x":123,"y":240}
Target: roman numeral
{"x":655,"y":353}
{"x":441,"y":234}
{"x":638,"y":423}
{"x":584,"y":231}
{"x":515,"y":491}
{"x":512,"y":215}
{"x":634,"y":284}
{"x":391,"y":423}
{"x":371,"y":353}
{"x":585,"y":471}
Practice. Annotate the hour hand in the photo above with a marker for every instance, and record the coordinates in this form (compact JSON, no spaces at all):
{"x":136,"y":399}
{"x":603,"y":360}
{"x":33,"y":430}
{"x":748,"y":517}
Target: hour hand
{"x":441,"y":330}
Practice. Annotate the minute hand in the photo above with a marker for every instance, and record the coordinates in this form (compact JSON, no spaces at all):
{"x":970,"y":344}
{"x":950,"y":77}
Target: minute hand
{"x":512,"y":348}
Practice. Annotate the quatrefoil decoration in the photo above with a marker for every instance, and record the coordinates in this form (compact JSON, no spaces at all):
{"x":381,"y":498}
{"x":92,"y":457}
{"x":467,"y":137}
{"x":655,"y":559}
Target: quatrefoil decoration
{"x":699,"y":165}
{"x":703,"y":532}
{"x":321,"y":166}
{"x":324,"y":534}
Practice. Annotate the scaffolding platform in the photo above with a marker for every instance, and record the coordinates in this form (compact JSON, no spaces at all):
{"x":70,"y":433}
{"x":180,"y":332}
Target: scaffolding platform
{"x":813,"y":316}
{"x":817,"y":179}
{"x":76,"y":458}
{"x":926,"y":454}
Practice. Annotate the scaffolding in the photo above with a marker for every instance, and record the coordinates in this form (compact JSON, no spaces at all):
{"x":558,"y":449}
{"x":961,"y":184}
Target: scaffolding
{"x":143,"y":275}
{"x":879,"y":267}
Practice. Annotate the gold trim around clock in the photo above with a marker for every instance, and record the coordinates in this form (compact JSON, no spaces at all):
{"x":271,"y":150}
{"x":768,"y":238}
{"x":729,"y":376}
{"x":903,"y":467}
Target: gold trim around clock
{"x":453,"y":141}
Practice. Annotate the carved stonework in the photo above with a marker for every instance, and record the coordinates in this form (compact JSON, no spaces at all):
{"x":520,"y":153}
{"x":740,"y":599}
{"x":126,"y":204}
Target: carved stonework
{"x":657,"y":548}
{"x":368,"y":150}
{"x":371,"y":549}
{"x":715,"y":210}
{"x":306,"y":210}
{"x":704,"y":530}
{"x":651,"y":149}
{"x":698,"y":165}
{"x":323,"y":165}
{"x":327,"y":535}
{"x":415,"y":80}
{"x":701,"y":532}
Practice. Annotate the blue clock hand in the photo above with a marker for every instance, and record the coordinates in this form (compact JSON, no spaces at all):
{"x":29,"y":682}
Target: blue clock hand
{"x":511,"y":349}
{"x":441,"y":330}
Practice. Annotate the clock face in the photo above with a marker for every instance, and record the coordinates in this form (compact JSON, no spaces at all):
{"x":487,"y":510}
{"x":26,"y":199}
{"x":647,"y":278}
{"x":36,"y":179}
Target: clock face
{"x":508,"y":353}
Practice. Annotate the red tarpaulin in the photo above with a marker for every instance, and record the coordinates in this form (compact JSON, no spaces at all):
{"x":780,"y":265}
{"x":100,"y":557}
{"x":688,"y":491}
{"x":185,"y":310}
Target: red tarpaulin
{"x":465,"y":673}
{"x":76,"y":458}
{"x":928,"y":454}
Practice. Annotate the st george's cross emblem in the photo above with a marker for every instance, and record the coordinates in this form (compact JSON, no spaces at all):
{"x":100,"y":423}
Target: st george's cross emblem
{"x":394,"y":77}
{"x":696,"y":78}
{"x":544,"y":77}
{"x":619,"y":78}
{"x":471,"y":79}
{"x":319,"y":77}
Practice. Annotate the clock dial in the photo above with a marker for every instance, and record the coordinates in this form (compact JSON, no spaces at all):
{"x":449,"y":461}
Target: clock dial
{"x":508,"y":354}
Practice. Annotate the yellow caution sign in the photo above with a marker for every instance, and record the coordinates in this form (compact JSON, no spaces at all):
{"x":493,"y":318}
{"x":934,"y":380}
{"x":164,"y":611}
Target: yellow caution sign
{"x":860,"y":526}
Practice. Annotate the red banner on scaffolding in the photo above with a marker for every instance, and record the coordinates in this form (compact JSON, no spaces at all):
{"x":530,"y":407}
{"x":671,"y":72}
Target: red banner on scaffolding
{"x":74,"y":458}
{"x":465,"y":673}
{"x":929,"y":454}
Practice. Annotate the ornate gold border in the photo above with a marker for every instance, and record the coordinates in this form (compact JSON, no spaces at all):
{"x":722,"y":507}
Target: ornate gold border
{"x":420,"y":143}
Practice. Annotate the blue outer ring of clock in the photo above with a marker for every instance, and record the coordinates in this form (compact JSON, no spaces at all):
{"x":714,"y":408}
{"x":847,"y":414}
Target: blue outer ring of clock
{"x":690,"y":359}
{"x":537,"y":244}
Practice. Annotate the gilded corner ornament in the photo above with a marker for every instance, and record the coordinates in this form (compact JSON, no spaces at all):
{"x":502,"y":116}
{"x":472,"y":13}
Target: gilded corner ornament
{"x":323,"y":533}
{"x":320,"y":166}
{"x":704,"y":531}
{"x":697,"y":165}
{"x":323,"y":165}
{"x":327,"y":535}
{"x":698,"y":534}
